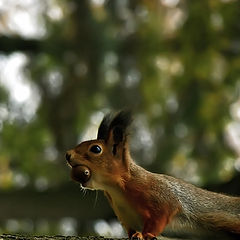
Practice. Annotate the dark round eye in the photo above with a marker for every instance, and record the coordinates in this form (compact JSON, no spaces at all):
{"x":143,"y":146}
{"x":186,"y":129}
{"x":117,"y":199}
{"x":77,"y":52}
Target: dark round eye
{"x":95,"y":149}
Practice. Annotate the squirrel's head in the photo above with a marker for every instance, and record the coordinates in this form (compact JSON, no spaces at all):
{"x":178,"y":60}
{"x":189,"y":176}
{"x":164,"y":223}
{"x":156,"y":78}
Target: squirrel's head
{"x":103,"y":161}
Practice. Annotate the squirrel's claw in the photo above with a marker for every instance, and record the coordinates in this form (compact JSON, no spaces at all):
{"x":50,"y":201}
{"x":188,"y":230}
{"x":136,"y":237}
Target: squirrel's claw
{"x":140,"y":236}
{"x":137,"y":236}
{"x":149,"y":236}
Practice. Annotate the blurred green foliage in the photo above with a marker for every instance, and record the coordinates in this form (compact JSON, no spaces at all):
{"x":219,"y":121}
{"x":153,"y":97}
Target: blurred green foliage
{"x":175,"y":63}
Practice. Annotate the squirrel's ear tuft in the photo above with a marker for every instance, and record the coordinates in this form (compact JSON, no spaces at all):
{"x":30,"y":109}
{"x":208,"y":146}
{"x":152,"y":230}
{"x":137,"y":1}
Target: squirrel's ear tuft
{"x":103,"y":130}
{"x":115,"y":126}
{"x":114,"y":131}
{"x":119,"y":125}
{"x":122,"y":119}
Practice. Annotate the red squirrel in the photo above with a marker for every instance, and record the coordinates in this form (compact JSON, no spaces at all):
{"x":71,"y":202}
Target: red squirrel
{"x":147,"y":203}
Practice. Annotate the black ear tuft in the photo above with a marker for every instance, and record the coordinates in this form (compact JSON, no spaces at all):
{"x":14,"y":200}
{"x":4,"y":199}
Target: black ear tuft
{"x":118,"y":134}
{"x":120,"y":124}
{"x":103,"y":129}
{"x":122,"y":119}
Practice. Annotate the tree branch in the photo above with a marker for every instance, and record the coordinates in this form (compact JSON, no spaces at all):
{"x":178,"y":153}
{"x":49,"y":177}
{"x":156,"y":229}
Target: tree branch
{"x":14,"y":43}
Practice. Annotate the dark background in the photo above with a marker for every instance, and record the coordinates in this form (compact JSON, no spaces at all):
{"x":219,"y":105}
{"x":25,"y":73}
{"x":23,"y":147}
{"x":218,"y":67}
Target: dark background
{"x":64,"y":64}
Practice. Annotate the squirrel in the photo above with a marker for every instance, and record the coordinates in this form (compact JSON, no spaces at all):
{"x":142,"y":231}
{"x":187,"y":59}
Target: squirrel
{"x":148,"y":203}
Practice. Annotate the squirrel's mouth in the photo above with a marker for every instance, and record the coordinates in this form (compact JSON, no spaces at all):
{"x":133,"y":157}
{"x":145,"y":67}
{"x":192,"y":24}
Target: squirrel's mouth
{"x":81,"y":174}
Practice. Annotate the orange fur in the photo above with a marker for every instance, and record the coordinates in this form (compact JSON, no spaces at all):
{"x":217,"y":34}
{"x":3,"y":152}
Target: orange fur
{"x":155,"y":218}
{"x":144,"y":202}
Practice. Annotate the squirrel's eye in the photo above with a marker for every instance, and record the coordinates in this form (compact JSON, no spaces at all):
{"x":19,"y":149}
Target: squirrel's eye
{"x":95,"y":149}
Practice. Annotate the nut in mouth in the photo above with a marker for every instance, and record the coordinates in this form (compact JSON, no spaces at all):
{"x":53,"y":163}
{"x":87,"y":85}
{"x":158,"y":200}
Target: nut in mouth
{"x":81,"y":174}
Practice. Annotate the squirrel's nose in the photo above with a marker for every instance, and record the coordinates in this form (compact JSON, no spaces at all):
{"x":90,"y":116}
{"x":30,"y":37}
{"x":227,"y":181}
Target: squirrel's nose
{"x":68,"y":157}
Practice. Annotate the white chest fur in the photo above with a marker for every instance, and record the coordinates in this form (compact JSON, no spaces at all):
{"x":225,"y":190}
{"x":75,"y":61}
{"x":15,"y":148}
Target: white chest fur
{"x":125,"y":212}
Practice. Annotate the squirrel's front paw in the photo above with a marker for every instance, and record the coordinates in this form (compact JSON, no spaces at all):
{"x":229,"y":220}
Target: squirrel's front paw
{"x":149,"y":236}
{"x":137,"y":236}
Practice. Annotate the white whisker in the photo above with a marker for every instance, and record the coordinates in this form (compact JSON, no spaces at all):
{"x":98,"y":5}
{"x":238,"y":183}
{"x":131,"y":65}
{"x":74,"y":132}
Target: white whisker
{"x":95,"y":202}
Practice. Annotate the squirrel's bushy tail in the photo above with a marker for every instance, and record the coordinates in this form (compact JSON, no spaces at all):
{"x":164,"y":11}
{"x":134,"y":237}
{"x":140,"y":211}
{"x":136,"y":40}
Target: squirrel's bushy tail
{"x":222,"y":220}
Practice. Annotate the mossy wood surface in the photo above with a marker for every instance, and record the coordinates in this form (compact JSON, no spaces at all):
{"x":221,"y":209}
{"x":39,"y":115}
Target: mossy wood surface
{"x":24,"y":237}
